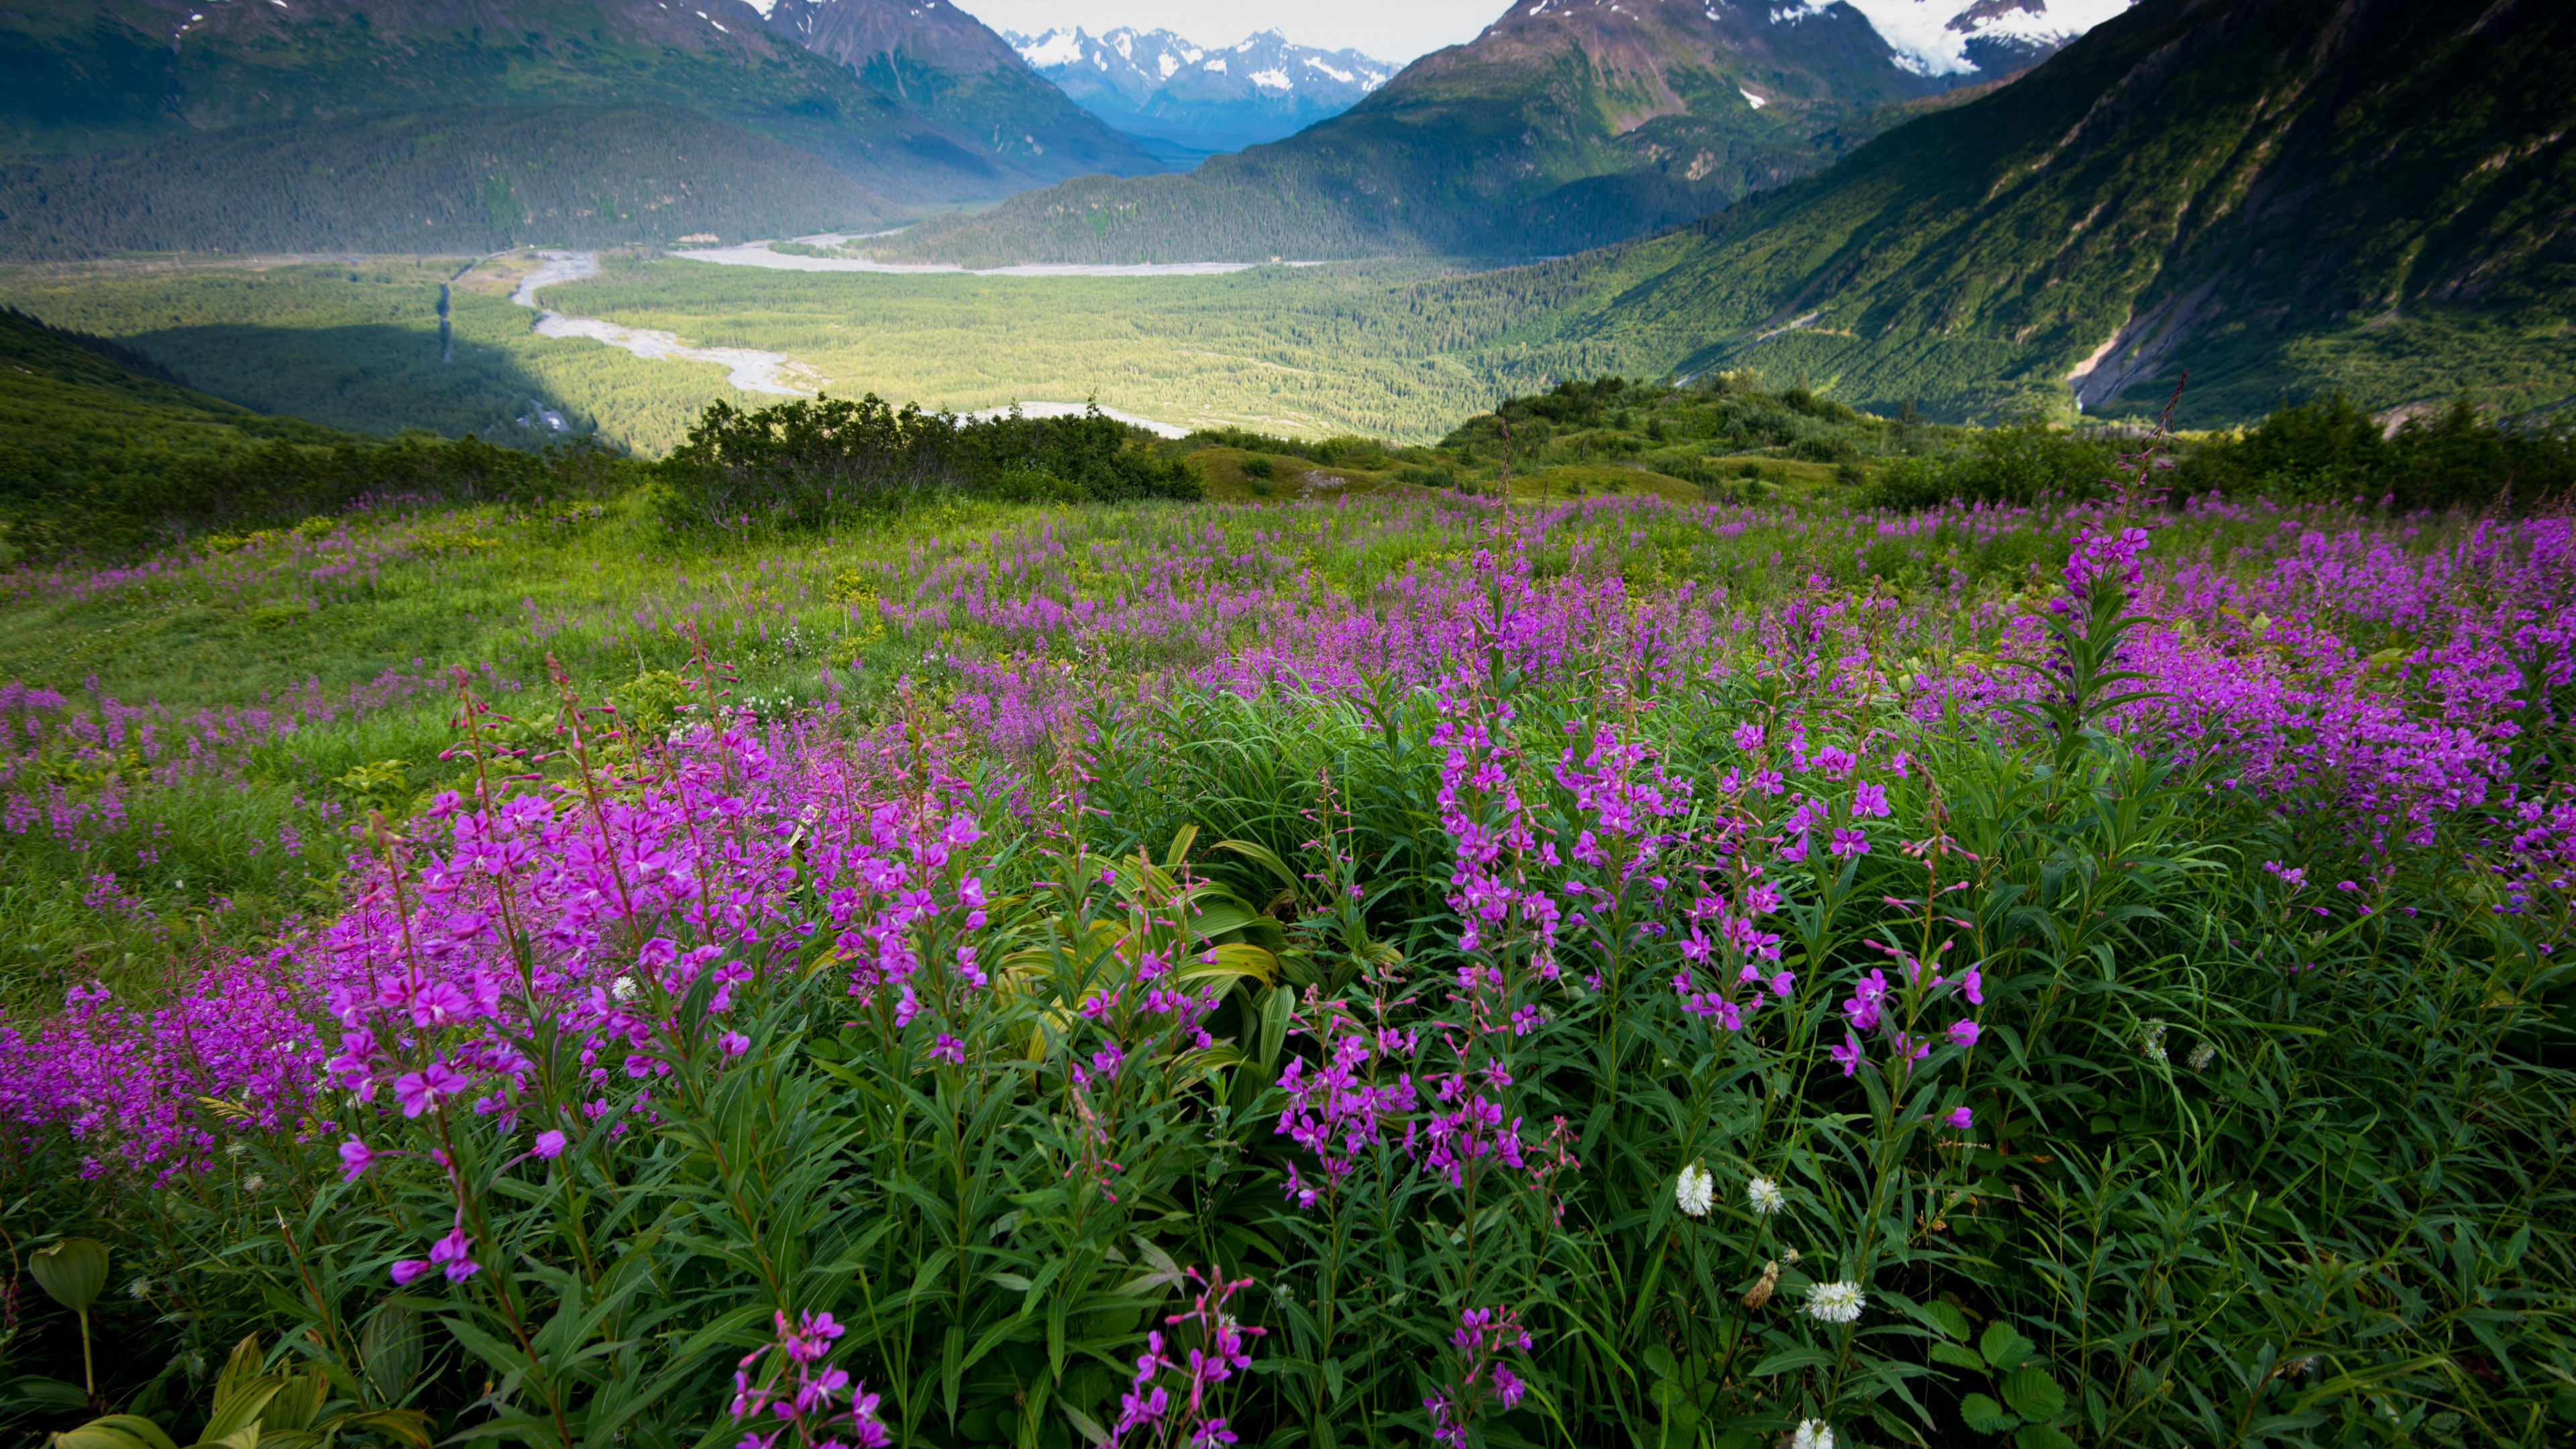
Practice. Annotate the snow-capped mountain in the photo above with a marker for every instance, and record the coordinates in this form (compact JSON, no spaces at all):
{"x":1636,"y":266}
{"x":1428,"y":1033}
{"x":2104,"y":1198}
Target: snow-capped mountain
{"x":1563,"y":125}
{"x":1217,"y":98}
{"x":1972,"y":38}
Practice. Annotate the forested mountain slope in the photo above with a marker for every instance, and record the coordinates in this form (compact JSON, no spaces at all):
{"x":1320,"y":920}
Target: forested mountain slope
{"x":93,"y":77}
{"x":1566,"y":124}
{"x":459,"y":181}
{"x":942,"y":64}
{"x":2281,"y":195}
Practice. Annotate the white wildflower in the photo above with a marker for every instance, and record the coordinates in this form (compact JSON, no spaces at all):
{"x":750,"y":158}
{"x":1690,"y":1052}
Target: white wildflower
{"x":1765,"y":1196}
{"x":623,"y":988}
{"x":1813,"y":1434}
{"x":139,"y":1288}
{"x":232,"y":1149}
{"x":1695,"y":1191}
{"x":1838,"y":1302}
{"x":254,"y":1183}
{"x":2202,"y":1055}
{"x":2151,"y":1042}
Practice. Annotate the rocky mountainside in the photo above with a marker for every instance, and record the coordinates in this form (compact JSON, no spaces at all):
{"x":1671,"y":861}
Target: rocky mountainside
{"x":1155,"y":84}
{"x":1566,"y":124}
{"x":2282,"y":196}
{"x":897,"y":96}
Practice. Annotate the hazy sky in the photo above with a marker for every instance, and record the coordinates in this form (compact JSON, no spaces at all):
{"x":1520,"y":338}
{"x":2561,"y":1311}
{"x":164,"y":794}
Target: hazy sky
{"x":1396,"y":30}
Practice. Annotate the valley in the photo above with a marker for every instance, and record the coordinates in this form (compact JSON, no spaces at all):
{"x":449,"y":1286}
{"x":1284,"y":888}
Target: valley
{"x":1199,"y":724}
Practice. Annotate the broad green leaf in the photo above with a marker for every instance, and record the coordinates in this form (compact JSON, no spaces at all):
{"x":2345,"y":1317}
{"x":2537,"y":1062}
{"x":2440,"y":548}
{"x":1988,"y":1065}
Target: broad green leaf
{"x":2033,"y":1393}
{"x":91,"y":1436}
{"x":1985,"y":1415}
{"x":72,"y":1271}
{"x":2004,"y":1347}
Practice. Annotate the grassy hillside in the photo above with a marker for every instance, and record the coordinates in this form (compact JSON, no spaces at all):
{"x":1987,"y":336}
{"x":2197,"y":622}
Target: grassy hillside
{"x":441,"y":181}
{"x":2281,"y":195}
{"x":100,"y":460}
{"x":75,"y":408}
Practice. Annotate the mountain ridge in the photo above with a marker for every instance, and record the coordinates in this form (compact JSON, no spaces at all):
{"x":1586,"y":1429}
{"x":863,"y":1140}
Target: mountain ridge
{"x":1564,"y":124}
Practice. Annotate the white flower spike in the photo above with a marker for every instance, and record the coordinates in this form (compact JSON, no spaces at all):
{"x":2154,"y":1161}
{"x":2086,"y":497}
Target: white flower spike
{"x":1695,"y":1191}
{"x":1765,"y":1196}
{"x":1813,"y":1434}
{"x":1838,"y":1302}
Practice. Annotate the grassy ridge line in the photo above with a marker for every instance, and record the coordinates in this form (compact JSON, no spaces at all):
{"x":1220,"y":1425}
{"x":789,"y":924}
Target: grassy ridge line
{"x":74,"y":422}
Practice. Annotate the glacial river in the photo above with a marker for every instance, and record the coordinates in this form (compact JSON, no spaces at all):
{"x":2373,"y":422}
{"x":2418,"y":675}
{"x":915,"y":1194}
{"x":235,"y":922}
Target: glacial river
{"x":758,"y":254}
{"x":746,"y":368}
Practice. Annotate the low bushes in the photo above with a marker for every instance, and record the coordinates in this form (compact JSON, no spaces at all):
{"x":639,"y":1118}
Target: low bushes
{"x":803,"y":464}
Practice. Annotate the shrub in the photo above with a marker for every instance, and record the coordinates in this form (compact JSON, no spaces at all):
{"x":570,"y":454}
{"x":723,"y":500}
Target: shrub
{"x":2328,"y":447}
{"x":2020,"y":464}
{"x":803,"y":464}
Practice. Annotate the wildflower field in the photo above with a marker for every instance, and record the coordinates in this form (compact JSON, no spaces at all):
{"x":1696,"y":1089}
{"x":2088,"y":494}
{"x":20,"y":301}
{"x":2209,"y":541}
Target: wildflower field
{"x":1382,"y":970}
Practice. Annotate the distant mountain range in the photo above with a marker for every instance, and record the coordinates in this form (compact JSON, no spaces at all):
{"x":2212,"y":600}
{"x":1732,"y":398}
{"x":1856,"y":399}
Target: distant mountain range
{"x":907,"y":103}
{"x":1566,"y":124}
{"x":2282,"y":196}
{"x":1155,"y":85}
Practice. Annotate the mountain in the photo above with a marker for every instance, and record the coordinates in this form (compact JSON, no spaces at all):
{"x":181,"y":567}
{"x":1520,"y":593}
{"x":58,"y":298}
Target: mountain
{"x":155,"y":79}
{"x":942,"y":64}
{"x":2281,"y":195}
{"x":1154,"y":84}
{"x":1566,"y":124}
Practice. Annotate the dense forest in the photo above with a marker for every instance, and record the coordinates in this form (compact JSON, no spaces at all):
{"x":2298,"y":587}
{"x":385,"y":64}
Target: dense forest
{"x":461,"y":181}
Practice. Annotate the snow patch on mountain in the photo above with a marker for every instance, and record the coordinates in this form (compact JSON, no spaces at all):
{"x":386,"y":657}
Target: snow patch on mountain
{"x":1137,"y":63}
{"x":1155,"y":84}
{"x":1056,"y":47}
{"x":1931,"y":37}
